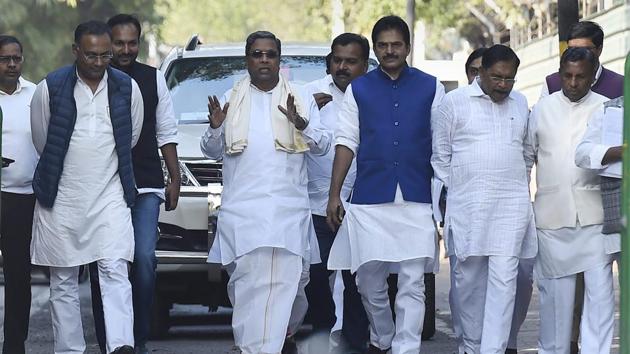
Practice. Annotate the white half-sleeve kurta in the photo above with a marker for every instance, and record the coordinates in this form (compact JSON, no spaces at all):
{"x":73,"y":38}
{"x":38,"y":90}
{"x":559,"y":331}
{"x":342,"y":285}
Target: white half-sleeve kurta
{"x":90,"y":219}
{"x":265,"y":197}
{"x":589,"y":154}
{"x":388,"y":232}
{"x":479,"y":153}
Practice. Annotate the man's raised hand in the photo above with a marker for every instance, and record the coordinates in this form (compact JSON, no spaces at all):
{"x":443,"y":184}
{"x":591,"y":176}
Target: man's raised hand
{"x":292,"y":115}
{"x":216,"y":114}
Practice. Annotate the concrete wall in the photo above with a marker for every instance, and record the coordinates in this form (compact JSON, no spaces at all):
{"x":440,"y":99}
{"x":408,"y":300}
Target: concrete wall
{"x":539,"y":58}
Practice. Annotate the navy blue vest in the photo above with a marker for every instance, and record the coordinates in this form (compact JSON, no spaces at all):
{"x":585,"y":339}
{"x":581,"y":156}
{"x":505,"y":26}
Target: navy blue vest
{"x":395,"y":133}
{"x":63,"y":115}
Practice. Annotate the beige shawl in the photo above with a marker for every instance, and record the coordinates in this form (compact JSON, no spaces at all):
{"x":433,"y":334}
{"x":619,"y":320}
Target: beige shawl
{"x":286,"y":137}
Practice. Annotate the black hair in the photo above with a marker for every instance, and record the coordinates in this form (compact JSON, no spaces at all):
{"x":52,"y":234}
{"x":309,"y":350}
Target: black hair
{"x":125,"y":19}
{"x":6,"y":39}
{"x":92,"y":27}
{"x":587,"y":29}
{"x":575,"y":54}
{"x":261,"y":35}
{"x":391,"y":22}
{"x":348,"y":38}
{"x":497,"y":53}
{"x":477,"y":53}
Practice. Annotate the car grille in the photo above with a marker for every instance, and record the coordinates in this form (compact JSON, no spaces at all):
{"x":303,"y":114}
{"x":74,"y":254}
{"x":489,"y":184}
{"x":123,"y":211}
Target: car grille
{"x":206,"y":172}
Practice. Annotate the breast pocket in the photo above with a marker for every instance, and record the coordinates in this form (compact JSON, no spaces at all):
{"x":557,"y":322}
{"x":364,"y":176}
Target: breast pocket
{"x":517,"y":129}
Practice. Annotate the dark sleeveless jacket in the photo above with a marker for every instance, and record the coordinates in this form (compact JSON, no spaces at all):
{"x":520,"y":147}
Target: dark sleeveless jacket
{"x":63,"y":115}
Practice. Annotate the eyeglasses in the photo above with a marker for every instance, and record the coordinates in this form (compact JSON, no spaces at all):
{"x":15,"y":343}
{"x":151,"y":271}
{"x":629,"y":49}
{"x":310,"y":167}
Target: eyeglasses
{"x":270,"y":54}
{"x":17,"y":59}
{"x":93,"y":58}
{"x":507,"y":81}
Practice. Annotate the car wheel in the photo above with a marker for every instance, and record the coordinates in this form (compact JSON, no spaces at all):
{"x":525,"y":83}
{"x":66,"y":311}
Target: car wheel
{"x":428,"y":329}
{"x":160,"y":319}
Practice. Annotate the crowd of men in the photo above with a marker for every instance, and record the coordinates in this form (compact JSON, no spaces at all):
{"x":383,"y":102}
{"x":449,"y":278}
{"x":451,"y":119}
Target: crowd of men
{"x":354,"y":171}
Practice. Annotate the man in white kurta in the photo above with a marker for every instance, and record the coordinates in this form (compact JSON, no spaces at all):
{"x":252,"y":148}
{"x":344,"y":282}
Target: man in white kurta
{"x":389,"y":225}
{"x":569,"y":214}
{"x":265,"y":235}
{"x":598,"y":151}
{"x":478,"y":152}
{"x":89,"y":220}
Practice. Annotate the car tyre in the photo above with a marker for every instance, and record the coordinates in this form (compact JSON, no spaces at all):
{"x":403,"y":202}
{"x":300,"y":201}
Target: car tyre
{"x":160,"y":319}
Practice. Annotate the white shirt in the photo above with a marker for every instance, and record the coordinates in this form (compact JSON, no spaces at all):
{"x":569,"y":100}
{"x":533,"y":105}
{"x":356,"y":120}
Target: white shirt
{"x":320,"y":167}
{"x":265,"y":196}
{"x":165,"y":124}
{"x":479,"y":154}
{"x":16,"y":139}
{"x":388,"y":232}
{"x":89,"y":219}
{"x":545,"y":89}
{"x":590,"y":152}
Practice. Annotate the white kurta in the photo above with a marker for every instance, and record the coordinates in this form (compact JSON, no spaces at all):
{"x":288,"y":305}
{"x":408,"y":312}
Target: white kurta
{"x":589,"y":154}
{"x":479,"y":154}
{"x":265,"y":197}
{"x":89,"y":220}
{"x":388,"y":232}
{"x":569,"y":241}
{"x":320,"y":167}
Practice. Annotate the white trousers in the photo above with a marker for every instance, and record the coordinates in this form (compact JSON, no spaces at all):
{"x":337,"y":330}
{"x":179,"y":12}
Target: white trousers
{"x":300,"y":305}
{"x":524,"y":288}
{"x":556,"y":312}
{"x":486,"y":287}
{"x":262,"y":288}
{"x":404,"y":337}
{"x":66,"y":309}
{"x":452,"y":301}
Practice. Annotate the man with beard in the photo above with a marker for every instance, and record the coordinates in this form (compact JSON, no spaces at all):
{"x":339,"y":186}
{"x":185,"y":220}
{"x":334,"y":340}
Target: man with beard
{"x":159,"y":131}
{"x":570,"y":239}
{"x":85,"y":119}
{"x":385,"y":121}
{"x":348,"y":60}
{"x":17,"y":193}
{"x":478,"y":152}
{"x":262,"y":129}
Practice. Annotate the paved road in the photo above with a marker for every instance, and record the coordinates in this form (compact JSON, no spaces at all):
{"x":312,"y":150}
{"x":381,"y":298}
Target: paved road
{"x":196,"y":331}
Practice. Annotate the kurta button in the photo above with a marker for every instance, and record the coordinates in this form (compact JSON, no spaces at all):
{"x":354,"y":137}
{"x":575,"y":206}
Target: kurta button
{"x":396,"y":104}
{"x":395,"y":86}
{"x":395,"y":143}
{"x":395,"y":163}
{"x":396,"y":123}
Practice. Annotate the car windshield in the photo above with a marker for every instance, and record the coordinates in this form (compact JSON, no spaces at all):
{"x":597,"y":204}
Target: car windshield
{"x":192,"y":80}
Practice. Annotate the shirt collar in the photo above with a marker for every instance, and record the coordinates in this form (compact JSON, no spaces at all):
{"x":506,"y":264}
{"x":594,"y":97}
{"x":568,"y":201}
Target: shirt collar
{"x":403,"y":73}
{"x":598,"y":73}
{"x":581,"y":100}
{"x":331,"y":85}
{"x":18,"y":88}
{"x":475,"y":90}
{"x":101,"y":84}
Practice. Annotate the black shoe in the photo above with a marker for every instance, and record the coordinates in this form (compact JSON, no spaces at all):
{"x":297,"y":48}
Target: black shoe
{"x":289,"y":347}
{"x":125,"y":349}
{"x":374,"y":350}
{"x":510,"y":351}
{"x":574,"y":348}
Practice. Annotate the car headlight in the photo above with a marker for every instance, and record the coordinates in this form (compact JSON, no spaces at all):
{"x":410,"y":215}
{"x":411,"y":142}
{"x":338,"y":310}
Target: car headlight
{"x":185,"y":177}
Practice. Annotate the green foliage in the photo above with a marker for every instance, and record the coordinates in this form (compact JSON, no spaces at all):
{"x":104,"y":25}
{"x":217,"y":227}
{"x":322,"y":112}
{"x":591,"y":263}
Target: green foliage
{"x":46,"y":27}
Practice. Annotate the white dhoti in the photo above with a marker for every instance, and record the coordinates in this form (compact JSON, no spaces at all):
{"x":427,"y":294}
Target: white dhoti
{"x":485,"y":297}
{"x":262,"y":288}
{"x":66,"y":310}
{"x":556,"y":312}
{"x":300,"y":305}
{"x":405,"y":336}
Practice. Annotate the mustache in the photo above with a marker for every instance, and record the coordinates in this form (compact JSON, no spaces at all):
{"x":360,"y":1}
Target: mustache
{"x":342,"y":73}
{"x":391,"y":56}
